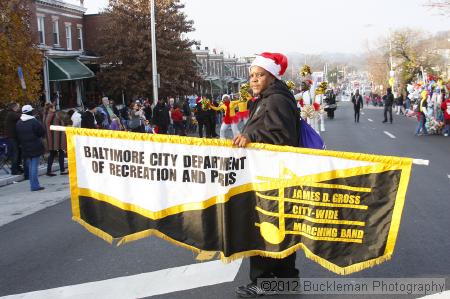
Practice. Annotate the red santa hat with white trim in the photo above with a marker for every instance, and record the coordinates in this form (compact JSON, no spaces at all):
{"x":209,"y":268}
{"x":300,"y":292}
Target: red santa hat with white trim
{"x":274,"y":63}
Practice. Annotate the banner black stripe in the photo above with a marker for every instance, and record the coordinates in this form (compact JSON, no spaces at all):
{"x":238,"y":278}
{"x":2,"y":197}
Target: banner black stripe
{"x":230,"y":227}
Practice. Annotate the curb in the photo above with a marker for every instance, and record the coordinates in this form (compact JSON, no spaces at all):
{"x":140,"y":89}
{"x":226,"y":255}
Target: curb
{"x":12,"y":179}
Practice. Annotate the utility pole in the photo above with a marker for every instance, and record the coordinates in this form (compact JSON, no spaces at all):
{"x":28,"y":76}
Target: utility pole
{"x":390,"y":50}
{"x":153,"y":36}
{"x":391,"y":72}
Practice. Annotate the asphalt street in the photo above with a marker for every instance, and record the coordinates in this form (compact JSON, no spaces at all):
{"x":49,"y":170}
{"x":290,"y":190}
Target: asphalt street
{"x":42,"y":249}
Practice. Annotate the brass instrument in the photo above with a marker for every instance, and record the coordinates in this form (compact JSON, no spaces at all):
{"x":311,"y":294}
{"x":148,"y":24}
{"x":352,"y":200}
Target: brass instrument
{"x":305,"y":71}
{"x":305,"y":76}
{"x":322,"y":88}
{"x":308,"y":112}
{"x":290,"y":84}
{"x":244,"y":95}
{"x":204,"y":103}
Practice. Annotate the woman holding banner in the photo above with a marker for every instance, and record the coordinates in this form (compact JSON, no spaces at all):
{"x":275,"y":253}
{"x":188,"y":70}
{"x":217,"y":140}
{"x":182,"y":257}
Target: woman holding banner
{"x":273,"y":120}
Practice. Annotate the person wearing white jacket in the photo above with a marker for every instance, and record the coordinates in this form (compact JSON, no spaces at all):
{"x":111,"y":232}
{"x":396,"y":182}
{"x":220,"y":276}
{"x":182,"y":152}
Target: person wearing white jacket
{"x":76,"y":119}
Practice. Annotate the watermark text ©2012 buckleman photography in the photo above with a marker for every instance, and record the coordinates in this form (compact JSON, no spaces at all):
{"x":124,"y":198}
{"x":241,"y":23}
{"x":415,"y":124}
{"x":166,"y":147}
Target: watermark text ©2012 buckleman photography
{"x":360,"y":286}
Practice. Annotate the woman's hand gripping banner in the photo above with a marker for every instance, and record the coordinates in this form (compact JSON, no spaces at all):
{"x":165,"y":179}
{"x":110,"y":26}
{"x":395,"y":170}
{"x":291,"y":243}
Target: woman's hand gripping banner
{"x":343,"y":209}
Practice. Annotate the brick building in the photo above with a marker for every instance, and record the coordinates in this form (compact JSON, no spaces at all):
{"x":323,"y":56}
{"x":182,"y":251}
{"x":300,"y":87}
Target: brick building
{"x":219,"y":74}
{"x":68,"y":39}
{"x":58,"y":28}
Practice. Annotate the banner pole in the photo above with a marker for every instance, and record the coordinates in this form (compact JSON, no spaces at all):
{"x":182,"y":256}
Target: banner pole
{"x":421,"y":162}
{"x":415,"y":161}
{"x":58,"y":128}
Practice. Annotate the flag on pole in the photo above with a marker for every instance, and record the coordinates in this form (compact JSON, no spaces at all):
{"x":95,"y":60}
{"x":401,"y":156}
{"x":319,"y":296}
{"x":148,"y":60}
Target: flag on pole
{"x":21,"y":78}
{"x":343,"y":209}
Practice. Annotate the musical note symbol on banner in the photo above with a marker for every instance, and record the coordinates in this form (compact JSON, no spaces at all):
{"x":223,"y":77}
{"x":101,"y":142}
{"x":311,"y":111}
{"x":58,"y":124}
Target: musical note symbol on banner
{"x":270,"y":232}
{"x":276,"y":234}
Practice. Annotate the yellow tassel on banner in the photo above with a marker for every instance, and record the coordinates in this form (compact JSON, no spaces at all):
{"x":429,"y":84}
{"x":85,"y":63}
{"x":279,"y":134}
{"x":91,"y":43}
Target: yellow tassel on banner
{"x":93,"y":230}
{"x":324,"y":263}
{"x":206,"y":255}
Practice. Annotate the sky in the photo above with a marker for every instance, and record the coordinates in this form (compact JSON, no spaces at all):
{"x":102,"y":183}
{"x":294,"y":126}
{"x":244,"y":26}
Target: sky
{"x":247,"y":27}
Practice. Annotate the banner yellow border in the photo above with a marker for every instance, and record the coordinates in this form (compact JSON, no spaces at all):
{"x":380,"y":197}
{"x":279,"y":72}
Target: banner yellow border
{"x":223,"y":198}
{"x":395,"y":163}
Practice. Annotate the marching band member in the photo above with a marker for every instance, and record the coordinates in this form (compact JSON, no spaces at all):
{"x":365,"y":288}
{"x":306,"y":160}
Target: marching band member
{"x":230,"y":118}
{"x":243,"y":112}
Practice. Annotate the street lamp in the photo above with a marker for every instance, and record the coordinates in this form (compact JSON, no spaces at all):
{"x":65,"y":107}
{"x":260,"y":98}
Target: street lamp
{"x":153,"y":36}
{"x":391,"y":72}
{"x":390,"y":50}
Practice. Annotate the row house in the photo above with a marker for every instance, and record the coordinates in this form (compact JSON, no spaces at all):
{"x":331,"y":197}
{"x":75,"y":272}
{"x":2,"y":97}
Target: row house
{"x":219,"y":74}
{"x":441,"y":43}
{"x":67,"y":39}
{"x":58,"y":29}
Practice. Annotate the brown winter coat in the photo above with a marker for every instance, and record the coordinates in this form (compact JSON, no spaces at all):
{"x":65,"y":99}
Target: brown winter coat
{"x":56,"y":140}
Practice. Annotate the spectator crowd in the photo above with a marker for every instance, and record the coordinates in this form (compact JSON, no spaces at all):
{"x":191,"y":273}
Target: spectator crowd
{"x":27,"y":138}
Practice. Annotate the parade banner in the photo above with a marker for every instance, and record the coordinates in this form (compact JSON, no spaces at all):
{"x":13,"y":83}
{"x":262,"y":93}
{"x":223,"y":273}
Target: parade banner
{"x":343,"y":209}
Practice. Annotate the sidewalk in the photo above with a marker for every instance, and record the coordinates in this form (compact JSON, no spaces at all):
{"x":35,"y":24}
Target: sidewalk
{"x":17,"y":201}
{"x":7,"y":179}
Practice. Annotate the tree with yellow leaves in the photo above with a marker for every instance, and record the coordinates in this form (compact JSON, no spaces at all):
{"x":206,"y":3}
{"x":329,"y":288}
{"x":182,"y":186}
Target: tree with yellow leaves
{"x":18,"y":51}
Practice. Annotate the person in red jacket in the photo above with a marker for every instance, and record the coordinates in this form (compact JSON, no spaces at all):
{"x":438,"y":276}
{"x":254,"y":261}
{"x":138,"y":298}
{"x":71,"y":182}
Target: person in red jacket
{"x":177,"y":118}
{"x":445,"y":107}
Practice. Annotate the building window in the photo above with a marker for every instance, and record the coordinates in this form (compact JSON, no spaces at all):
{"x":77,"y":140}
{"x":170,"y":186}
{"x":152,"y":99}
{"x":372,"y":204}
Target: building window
{"x":56,"y":32}
{"x":69,"y":36}
{"x":80,"y":38}
{"x":41,"y":30}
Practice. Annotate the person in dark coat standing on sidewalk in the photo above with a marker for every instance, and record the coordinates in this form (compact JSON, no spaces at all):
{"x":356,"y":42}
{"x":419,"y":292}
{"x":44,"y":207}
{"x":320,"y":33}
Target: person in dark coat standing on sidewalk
{"x":357,"y":101}
{"x":30,"y":132}
{"x":201,"y":115}
{"x":388,"y":100}
{"x":147,"y":110}
{"x":88,"y":120}
{"x":273,"y":120}
{"x":12,"y":116}
{"x":161,"y":117}
{"x":187,"y":116}
{"x":212,"y":118}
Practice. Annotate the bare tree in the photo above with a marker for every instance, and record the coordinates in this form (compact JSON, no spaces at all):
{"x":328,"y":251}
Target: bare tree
{"x":412,"y":51}
{"x":443,"y":6}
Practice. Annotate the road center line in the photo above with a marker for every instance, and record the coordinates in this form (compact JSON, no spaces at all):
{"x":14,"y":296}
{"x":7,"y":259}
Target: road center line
{"x":389,"y":134}
{"x":438,"y":295}
{"x":370,"y":120}
{"x":145,"y":284}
